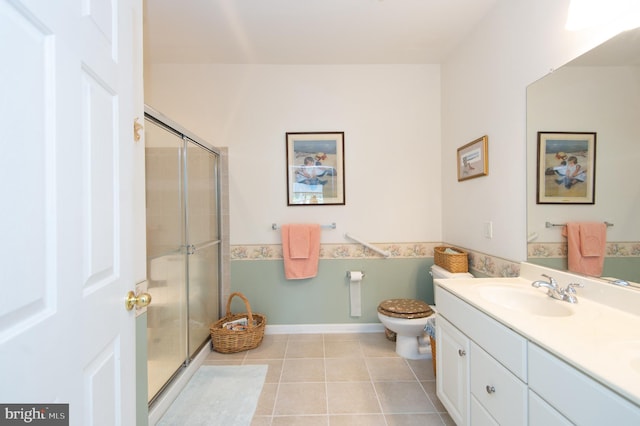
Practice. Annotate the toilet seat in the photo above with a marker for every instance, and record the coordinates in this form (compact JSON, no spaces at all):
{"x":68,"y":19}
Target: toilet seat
{"x":405,"y":308}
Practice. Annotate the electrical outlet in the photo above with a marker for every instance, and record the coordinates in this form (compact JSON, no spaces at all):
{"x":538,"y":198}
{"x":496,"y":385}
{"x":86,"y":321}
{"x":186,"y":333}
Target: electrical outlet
{"x":487,"y":229}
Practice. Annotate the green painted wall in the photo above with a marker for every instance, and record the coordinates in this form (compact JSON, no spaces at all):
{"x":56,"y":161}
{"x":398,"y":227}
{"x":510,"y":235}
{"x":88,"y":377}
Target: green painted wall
{"x":619,"y":267}
{"x":324,"y":299}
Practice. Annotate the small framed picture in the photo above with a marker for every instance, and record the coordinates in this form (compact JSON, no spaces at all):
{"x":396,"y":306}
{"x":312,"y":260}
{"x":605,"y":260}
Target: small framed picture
{"x":566,"y":168}
{"x":473,"y":159}
{"x":315,"y":168}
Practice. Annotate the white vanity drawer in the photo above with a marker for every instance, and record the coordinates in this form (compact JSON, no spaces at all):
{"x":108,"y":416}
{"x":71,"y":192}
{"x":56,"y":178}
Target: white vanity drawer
{"x":480,"y":416}
{"x":542,"y":414}
{"x":499,"y":341}
{"x":502,"y":394}
{"x":577,"y":396}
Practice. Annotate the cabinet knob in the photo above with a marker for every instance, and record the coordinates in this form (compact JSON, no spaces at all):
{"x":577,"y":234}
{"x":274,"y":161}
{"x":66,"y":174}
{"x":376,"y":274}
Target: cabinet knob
{"x":490,"y":389}
{"x":461,"y":352}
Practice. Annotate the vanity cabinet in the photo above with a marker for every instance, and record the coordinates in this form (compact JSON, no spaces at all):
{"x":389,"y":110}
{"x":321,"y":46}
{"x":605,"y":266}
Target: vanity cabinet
{"x":481,"y":368}
{"x":488,"y":374}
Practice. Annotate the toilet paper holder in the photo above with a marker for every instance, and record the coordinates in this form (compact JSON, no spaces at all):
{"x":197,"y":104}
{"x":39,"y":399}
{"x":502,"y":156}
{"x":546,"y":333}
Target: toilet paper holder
{"x":349,"y":274}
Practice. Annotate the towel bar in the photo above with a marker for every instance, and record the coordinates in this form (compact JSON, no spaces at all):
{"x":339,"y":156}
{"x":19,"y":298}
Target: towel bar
{"x":549,"y":224}
{"x":331,"y":226}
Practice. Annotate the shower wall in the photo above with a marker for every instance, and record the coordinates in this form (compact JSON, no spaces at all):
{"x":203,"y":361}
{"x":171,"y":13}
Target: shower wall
{"x":183,"y":247}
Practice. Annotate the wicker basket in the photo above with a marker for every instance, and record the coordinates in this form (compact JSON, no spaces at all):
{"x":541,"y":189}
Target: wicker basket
{"x":452,"y":262}
{"x":432,"y":341}
{"x":230,"y":341}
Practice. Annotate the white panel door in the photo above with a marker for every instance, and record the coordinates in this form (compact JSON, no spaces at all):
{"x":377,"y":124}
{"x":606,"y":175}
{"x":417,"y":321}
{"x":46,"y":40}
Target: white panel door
{"x":67,"y":181}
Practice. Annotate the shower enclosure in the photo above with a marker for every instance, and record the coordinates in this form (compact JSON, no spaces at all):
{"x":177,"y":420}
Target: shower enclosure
{"x":183,"y":246}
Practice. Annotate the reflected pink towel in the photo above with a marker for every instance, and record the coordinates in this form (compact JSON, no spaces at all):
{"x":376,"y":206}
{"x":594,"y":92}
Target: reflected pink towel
{"x":586,"y":243}
{"x":300,"y":250}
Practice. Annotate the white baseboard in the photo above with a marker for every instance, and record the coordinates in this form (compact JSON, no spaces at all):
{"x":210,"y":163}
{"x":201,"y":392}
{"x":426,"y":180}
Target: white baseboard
{"x":164,"y":401}
{"x":323,"y":328}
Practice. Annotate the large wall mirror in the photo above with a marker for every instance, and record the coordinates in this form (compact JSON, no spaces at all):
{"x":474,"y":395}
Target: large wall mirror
{"x":598,"y":92}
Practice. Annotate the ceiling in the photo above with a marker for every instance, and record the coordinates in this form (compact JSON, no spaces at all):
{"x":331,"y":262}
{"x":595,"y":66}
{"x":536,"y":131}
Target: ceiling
{"x":307,"y":31}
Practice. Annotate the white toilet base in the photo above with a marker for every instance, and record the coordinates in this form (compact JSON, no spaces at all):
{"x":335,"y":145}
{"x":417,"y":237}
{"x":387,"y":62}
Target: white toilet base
{"x":407,"y":347}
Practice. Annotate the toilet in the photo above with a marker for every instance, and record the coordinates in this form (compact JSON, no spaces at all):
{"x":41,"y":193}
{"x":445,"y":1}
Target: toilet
{"x":407,"y":318}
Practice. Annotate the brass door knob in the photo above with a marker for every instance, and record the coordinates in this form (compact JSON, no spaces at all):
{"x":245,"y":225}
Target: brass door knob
{"x":138,"y":300}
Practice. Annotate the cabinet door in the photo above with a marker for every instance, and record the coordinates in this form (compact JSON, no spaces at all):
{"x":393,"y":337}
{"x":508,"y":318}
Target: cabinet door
{"x":452,"y":363}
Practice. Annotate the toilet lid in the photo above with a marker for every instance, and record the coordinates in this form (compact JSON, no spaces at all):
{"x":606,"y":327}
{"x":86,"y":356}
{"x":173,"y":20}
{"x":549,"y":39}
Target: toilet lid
{"x":405,"y":308}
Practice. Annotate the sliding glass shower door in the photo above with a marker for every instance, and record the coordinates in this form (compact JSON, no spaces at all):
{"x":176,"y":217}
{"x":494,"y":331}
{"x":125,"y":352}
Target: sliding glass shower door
{"x":204,"y":242}
{"x":183,"y":243}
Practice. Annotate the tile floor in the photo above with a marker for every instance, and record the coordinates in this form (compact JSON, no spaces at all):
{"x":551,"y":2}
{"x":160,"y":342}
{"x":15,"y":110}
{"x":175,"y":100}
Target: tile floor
{"x":340,"y":379}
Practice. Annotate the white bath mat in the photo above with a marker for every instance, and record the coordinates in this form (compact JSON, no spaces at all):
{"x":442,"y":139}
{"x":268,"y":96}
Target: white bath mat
{"x":218,"y":395}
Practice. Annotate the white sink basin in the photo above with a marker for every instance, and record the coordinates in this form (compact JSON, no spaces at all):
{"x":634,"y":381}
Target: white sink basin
{"x":531,"y":301}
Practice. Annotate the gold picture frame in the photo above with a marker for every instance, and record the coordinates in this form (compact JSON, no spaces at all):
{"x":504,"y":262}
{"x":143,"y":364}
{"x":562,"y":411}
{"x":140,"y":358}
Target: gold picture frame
{"x":473,"y":159}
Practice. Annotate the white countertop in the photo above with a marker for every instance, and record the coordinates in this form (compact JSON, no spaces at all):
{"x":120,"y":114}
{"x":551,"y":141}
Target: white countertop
{"x":600,"y":336}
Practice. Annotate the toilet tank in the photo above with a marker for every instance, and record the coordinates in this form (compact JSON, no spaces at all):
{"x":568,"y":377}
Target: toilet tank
{"x":438,"y":272}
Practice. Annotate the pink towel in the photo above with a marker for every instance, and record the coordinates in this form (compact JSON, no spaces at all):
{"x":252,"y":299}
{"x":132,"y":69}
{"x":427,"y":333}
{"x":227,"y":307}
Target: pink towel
{"x":300,"y":250}
{"x":299,"y":239}
{"x":586,"y":244}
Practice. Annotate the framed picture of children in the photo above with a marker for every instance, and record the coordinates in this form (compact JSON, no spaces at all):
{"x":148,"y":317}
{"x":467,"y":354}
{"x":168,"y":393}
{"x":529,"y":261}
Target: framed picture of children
{"x":315,"y":168}
{"x":566,"y":168}
{"x":473,"y":160}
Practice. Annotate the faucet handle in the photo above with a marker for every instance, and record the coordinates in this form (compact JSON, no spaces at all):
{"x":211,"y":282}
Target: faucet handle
{"x":552,"y":280}
{"x":571,"y":288}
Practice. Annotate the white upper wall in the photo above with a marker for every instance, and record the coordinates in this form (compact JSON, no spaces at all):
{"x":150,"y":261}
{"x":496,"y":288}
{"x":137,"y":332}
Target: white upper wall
{"x":484,"y":92}
{"x":391,"y":118}
{"x":401,"y":183}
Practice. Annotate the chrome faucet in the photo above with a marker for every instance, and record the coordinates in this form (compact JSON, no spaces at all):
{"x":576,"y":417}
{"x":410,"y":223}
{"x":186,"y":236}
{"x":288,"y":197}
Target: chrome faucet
{"x":567,"y":294}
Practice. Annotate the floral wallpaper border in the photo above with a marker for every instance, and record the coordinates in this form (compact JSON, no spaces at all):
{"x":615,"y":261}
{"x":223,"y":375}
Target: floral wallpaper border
{"x":489,"y":265}
{"x":559,"y":250}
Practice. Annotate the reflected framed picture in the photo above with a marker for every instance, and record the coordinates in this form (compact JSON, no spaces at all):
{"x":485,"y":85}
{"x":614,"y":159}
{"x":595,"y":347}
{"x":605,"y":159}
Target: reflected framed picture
{"x":566,"y":170}
{"x":473,"y":159}
{"x":315,"y":168}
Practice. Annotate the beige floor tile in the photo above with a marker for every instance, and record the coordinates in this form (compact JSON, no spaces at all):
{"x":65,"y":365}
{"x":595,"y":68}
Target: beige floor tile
{"x":376,"y":345}
{"x":389,"y":369}
{"x":267,"y":399}
{"x":343,"y":349}
{"x":352,"y":398}
{"x":305,"y":349}
{"x":303,"y":370}
{"x":261,"y":421}
{"x":357,"y":420}
{"x":268,"y":349}
{"x":403,"y":397}
{"x":300,"y":421}
{"x":217,"y":356}
{"x":346,"y":370}
{"x":422,"y":368}
{"x":308,"y":336}
{"x":429,"y":387}
{"x":301,"y":399}
{"x":414,"y":420}
{"x":341,"y":337}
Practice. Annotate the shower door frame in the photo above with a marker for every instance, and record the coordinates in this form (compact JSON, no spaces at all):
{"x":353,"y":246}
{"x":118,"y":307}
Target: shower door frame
{"x":188,"y":249}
